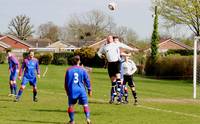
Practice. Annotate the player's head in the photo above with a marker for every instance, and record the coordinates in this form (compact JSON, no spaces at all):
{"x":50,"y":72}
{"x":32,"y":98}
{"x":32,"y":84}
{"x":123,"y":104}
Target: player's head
{"x":76,"y":60}
{"x":116,"y":39}
{"x":9,"y":52}
{"x":31,"y":54}
{"x":109,"y":39}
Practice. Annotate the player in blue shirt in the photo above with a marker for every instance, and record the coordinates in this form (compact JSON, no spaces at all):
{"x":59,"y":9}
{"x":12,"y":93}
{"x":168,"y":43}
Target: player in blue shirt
{"x":29,"y":66}
{"x":13,"y":69}
{"x":76,"y":81}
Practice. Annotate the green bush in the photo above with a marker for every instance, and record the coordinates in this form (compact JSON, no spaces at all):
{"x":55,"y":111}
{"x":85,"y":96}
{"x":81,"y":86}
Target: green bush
{"x":171,"y":67}
{"x":61,"y":61}
{"x":46,"y":58}
{"x":36,"y":55}
{"x":66,"y":55}
{"x":2,"y":58}
{"x":87,"y":55}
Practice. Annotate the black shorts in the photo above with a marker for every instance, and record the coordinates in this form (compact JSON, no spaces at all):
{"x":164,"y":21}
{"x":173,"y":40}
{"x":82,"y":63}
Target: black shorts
{"x":129,"y":79}
{"x":113,"y":68}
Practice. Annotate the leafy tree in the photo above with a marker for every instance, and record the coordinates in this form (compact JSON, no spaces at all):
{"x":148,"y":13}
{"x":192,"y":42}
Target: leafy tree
{"x":181,"y":12}
{"x":155,"y":38}
{"x":20,"y":27}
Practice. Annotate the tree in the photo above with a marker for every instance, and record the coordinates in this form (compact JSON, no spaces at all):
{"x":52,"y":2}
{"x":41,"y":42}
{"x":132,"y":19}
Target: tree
{"x":155,"y":39}
{"x":181,"y":12}
{"x":93,"y":25}
{"x":20,"y":27}
{"x":49,"y":30}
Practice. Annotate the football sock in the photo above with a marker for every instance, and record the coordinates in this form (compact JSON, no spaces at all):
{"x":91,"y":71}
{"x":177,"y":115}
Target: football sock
{"x":71,"y":113}
{"x":19,"y":93}
{"x":134,"y":94}
{"x":113,"y":91}
{"x":15,"y":88}
{"x":87,"y":112}
{"x":11,"y":89}
{"x":34,"y":93}
{"x":119,"y":89}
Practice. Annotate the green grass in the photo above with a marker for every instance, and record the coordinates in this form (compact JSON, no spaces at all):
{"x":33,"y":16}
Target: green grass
{"x":160,"y":101}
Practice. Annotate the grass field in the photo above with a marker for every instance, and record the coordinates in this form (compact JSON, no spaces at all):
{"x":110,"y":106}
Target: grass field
{"x":160,"y":102}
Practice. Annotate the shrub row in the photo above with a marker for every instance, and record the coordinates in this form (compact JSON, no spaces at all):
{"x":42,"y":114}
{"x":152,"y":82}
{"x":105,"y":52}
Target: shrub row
{"x":2,"y":58}
{"x":170,"y":67}
{"x":181,"y":52}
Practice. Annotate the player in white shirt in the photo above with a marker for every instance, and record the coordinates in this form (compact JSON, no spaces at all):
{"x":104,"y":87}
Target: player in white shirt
{"x":112,"y":53}
{"x":129,"y":68}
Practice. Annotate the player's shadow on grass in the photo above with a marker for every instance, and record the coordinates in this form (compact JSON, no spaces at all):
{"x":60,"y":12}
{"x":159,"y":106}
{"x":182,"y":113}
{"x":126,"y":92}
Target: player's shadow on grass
{"x":53,"y":110}
{"x":50,"y":110}
{"x":98,"y":102}
{"x":5,"y":100}
{"x":41,"y":122}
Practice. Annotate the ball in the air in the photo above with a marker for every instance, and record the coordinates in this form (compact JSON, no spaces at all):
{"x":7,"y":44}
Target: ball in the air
{"x":112,"y":6}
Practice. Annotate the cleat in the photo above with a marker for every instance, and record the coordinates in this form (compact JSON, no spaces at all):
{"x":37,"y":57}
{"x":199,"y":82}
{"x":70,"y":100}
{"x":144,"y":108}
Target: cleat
{"x":119,"y":102}
{"x":136,"y":102}
{"x":111,"y":101}
{"x":125,"y":102}
{"x":11,"y":95}
{"x":16,"y":100}
{"x":71,"y":122}
{"x":89,"y":121}
{"x":35,"y":99}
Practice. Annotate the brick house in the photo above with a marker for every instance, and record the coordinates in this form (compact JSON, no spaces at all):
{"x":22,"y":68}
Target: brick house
{"x":8,"y":41}
{"x":170,"y":44}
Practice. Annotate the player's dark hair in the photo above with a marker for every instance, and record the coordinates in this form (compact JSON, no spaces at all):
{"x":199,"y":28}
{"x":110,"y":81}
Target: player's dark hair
{"x":76,"y":59}
{"x":30,"y":51}
{"x":115,"y":37}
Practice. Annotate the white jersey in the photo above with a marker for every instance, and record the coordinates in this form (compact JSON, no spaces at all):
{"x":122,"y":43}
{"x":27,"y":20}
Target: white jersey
{"x":129,"y":67}
{"x":111,"y":52}
{"x":124,"y":46}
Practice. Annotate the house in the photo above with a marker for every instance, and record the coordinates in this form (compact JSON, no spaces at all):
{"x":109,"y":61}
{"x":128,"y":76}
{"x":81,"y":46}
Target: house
{"x":17,"y":45}
{"x":170,"y":44}
{"x":39,"y":43}
{"x":61,"y":46}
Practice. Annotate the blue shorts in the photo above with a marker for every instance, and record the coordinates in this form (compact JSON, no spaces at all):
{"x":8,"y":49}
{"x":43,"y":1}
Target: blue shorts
{"x":13,"y":76}
{"x":82,"y":100}
{"x":32,"y":81}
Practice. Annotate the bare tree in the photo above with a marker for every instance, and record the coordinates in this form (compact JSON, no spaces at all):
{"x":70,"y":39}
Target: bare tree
{"x":20,"y":27}
{"x":49,"y":30}
{"x":93,"y":25}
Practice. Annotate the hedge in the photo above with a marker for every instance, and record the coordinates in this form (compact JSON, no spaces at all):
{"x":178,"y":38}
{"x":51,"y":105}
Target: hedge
{"x":171,"y":67}
{"x":2,"y":57}
{"x":64,"y":55}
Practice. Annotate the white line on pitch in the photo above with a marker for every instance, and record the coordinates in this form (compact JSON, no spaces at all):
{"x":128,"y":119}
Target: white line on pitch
{"x":141,"y":106}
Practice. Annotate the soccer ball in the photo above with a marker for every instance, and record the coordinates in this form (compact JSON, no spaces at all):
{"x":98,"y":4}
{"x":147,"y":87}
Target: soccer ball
{"x":112,"y":6}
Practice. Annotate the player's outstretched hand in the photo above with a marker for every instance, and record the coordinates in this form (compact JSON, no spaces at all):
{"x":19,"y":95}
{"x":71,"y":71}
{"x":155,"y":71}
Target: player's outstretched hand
{"x":38,"y":76}
{"x":90,"y":93}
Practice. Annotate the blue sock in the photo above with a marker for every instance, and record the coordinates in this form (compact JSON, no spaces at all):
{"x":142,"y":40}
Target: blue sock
{"x":19,"y":93}
{"x":34,"y":93}
{"x":87,"y":112}
{"x":15,"y":88}
{"x":71,"y":113}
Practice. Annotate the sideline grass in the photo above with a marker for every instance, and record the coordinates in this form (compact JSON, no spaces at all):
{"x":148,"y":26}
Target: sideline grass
{"x":161,"y":102}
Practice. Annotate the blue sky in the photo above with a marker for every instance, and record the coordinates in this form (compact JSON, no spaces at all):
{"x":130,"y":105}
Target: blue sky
{"x":134,"y":14}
